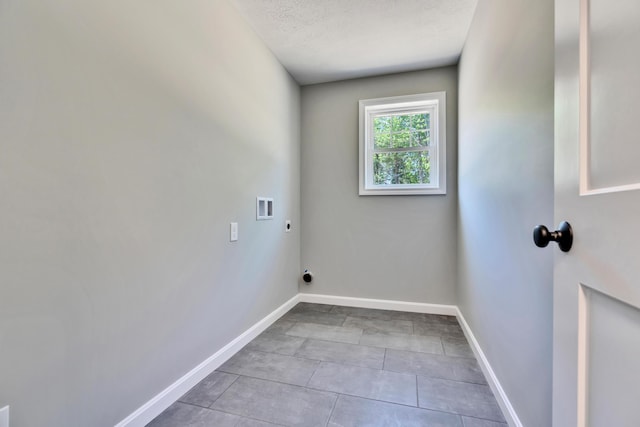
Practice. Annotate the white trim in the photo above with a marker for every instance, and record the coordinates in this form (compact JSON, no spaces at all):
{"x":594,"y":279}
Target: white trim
{"x":413,"y":307}
{"x":154,"y":407}
{"x":583,"y":352}
{"x":607,"y":190}
{"x":4,"y":416}
{"x":499,"y":393}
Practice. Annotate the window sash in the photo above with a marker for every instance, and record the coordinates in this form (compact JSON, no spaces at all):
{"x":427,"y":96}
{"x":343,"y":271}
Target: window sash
{"x":402,"y":149}
{"x":397,"y":110}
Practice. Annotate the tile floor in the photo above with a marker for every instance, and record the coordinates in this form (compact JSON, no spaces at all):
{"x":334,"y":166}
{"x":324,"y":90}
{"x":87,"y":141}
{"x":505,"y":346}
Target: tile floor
{"x":323,"y":365}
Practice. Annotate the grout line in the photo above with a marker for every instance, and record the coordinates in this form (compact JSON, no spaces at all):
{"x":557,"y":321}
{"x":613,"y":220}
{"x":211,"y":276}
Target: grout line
{"x":271,"y":352}
{"x":280,"y":382}
{"x":225,"y":390}
{"x":483,"y":419}
{"x":241,"y":416}
{"x":403,"y":405}
{"x":312,"y":374}
{"x":384,"y":359}
{"x":363,"y":397}
{"x":345,"y":319}
{"x":182,"y":402}
{"x":257,"y":419}
{"x":335,"y":402}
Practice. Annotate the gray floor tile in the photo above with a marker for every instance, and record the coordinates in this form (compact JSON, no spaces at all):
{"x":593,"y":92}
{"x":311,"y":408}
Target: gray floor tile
{"x":303,"y":307}
{"x":365,"y":382}
{"x":183,"y":415}
{"x":393,"y":315}
{"x":434,"y":366}
{"x":280,"y":326}
{"x":277,"y":403}
{"x":378,"y":325}
{"x":209,"y":389}
{"x":468,"y":370}
{"x":327,"y":351}
{"x":460,"y":398}
{"x":270,"y":366}
{"x":275,"y":343}
{"x":366,"y":313}
{"x":406,"y":315}
{"x":441,"y":318}
{"x":316,"y":317}
{"x":248,"y":422}
{"x":327,"y":333}
{"x":475,"y":422}
{"x":426,"y":327}
{"x":370,"y":357}
{"x":357,"y":412}
{"x":458,"y":347}
{"x":424,"y":344}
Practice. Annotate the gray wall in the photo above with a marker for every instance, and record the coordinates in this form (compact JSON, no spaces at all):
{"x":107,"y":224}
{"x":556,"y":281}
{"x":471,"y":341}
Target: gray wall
{"x":131,"y":134}
{"x":389,"y":247}
{"x":506,"y":188}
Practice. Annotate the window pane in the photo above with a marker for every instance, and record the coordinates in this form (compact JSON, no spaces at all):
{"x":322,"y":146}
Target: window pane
{"x":382,"y":140}
{"x":401,"y":140}
{"x":420,"y":121}
{"x":382,"y":124}
{"x":400,"y":123}
{"x":420,"y":138}
{"x":401,"y":168}
{"x":382,"y":132}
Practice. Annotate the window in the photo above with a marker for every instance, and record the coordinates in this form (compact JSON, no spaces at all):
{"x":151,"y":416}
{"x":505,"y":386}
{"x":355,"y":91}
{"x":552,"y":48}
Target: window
{"x":402,"y":145}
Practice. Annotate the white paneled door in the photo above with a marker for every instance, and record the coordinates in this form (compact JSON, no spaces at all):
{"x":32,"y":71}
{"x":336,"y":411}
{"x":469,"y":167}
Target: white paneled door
{"x":596,"y":361}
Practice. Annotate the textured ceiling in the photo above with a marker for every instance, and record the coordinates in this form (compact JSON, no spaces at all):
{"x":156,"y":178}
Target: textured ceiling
{"x":328,"y":40}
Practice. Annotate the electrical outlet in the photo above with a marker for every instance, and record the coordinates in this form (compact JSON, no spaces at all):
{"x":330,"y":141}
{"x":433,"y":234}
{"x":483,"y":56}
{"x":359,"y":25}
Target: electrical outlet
{"x":4,"y":417}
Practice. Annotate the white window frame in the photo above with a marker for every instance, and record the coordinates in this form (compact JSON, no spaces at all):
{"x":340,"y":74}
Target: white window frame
{"x":435,"y":104}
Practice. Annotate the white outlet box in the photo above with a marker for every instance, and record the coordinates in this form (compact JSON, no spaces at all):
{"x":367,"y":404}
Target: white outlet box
{"x":264,"y":208}
{"x":4,"y":417}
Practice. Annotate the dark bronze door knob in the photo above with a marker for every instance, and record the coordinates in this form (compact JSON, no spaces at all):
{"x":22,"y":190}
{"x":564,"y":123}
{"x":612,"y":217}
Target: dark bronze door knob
{"x":563,"y":236}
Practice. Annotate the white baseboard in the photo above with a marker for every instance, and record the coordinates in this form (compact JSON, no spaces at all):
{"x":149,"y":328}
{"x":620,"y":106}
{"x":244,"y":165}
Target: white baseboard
{"x":413,"y":307}
{"x":487,"y":370}
{"x":154,"y":407}
{"x":4,"y":417}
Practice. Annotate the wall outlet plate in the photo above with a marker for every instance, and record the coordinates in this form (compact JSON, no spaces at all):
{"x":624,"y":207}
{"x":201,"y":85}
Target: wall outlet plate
{"x":264,"y":208}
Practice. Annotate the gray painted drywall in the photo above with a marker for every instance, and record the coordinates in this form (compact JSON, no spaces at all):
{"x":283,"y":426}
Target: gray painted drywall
{"x":505,"y":189}
{"x":131,"y":135}
{"x":388,"y":247}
